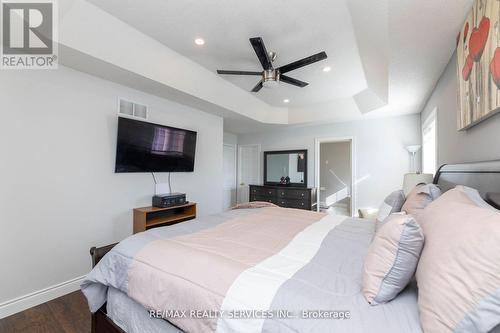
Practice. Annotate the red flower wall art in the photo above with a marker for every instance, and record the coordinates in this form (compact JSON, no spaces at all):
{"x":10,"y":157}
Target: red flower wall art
{"x":467,"y":68}
{"x":466,"y":31}
{"x":478,"y":64}
{"x":495,"y":67}
{"x":478,"y":39}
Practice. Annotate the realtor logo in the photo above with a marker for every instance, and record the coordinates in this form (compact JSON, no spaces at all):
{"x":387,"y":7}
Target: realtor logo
{"x":28,"y":34}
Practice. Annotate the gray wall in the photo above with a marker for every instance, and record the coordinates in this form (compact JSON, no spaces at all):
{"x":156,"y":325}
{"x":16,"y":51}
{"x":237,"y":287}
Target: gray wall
{"x":230,"y":183}
{"x":380,"y":156}
{"x":479,"y":143}
{"x":59,"y":194}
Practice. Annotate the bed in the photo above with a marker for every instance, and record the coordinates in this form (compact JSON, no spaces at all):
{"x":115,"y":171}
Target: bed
{"x":254,"y":270}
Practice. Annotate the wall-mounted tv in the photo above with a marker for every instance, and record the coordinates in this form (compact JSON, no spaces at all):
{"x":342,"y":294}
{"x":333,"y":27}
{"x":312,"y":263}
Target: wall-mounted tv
{"x":147,"y":147}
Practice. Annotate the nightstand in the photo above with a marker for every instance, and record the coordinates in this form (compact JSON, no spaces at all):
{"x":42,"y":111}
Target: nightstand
{"x":150,"y":217}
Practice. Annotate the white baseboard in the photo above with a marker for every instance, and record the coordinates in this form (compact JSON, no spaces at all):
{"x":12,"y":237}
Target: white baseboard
{"x":38,"y":297}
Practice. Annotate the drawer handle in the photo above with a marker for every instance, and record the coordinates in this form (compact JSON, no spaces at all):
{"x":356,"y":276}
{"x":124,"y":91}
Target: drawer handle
{"x":302,"y":194}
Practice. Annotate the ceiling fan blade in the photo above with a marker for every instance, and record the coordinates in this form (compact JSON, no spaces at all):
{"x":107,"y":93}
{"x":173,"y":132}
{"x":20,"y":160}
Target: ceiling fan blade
{"x":257,"y":87}
{"x":260,"y":50}
{"x":291,"y":80}
{"x":224,"y":72}
{"x":303,"y":62}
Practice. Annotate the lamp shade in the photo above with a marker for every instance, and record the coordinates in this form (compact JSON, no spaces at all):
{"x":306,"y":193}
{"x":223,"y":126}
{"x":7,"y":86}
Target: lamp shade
{"x":413,"y":179}
{"x":413,"y":148}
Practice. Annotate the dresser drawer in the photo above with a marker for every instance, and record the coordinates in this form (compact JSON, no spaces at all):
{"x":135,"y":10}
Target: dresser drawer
{"x":263,"y":198}
{"x":263,"y":191}
{"x":293,"y":194}
{"x":291,"y":203}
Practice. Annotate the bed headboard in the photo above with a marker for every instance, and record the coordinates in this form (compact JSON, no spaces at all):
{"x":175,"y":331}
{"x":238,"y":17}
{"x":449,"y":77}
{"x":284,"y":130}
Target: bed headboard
{"x":483,"y":176}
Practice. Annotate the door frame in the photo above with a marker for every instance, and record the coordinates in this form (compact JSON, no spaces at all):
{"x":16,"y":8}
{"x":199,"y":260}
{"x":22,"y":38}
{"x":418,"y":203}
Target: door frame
{"x":317,"y":143}
{"x":235,"y":147}
{"x":238,"y":162}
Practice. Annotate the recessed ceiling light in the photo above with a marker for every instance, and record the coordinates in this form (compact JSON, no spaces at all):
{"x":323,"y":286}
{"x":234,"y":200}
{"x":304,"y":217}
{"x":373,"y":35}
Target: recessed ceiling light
{"x":199,"y":41}
{"x":327,"y":69}
{"x":286,"y":100}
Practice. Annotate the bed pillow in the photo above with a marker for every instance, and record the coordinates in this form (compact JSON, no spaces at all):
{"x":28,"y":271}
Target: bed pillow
{"x":254,"y":204}
{"x":392,"y":258}
{"x":419,"y":198}
{"x":458,"y":274}
{"x":474,"y":195}
{"x":392,"y":204}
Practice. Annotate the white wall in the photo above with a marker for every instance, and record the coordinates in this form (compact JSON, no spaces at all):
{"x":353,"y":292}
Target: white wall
{"x":59,"y":194}
{"x":479,"y":143}
{"x":380,"y":156}
{"x":230,"y":138}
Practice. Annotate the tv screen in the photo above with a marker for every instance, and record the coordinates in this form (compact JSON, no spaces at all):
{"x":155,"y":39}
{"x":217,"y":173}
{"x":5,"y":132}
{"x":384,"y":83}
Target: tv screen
{"x":147,"y":147}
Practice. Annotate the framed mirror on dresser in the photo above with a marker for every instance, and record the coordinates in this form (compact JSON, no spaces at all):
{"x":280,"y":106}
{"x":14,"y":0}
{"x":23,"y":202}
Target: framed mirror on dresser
{"x":285,"y":180}
{"x":286,"y":167}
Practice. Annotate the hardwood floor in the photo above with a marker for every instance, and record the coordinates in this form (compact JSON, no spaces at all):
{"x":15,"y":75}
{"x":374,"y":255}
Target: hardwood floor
{"x":66,"y":314}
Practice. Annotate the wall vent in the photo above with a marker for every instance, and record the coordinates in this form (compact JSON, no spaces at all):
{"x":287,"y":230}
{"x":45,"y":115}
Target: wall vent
{"x":132,"y":109}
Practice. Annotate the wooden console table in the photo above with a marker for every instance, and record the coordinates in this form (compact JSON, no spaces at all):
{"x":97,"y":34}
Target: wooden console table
{"x":149,"y":217}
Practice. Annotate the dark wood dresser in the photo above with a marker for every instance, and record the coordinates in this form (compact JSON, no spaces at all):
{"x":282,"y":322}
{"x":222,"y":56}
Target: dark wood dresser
{"x":285,"y":196}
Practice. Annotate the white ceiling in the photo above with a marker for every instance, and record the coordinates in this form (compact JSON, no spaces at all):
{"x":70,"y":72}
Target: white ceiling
{"x":293,"y":29}
{"x":416,"y":38}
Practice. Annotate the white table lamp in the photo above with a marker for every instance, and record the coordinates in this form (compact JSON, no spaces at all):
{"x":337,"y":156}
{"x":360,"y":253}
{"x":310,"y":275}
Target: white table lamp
{"x":413,"y":179}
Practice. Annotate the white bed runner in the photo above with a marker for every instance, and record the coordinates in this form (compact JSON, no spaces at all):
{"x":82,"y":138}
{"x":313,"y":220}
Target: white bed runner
{"x":255,"y":288}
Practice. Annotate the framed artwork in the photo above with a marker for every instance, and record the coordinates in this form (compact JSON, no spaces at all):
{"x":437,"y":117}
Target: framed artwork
{"x":478,"y":64}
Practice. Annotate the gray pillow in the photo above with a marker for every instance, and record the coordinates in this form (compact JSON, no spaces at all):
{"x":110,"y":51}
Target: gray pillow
{"x":392,"y":204}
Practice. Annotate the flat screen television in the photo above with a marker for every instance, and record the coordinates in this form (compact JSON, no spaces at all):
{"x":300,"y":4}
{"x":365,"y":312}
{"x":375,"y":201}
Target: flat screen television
{"x":147,"y":147}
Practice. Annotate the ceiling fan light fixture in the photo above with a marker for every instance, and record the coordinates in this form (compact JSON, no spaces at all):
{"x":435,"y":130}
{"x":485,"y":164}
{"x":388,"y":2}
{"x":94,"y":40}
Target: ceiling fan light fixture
{"x":199,"y":41}
{"x":286,"y":100}
{"x":270,"y":78}
{"x":270,"y":84}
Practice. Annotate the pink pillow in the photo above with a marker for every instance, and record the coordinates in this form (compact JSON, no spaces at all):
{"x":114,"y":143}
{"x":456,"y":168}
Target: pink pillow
{"x":254,"y":204}
{"x":419,"y":198}
{"x":458,"y":274}
{"x":392,"y":258}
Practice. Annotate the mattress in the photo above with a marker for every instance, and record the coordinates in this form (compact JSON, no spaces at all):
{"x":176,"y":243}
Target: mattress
{"x":313,"y":282}
{"x":132,"y":317}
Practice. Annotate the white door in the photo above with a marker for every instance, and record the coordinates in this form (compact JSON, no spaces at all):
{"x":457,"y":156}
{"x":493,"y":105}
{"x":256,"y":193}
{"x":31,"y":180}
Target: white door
{"x":248,"y":169}
{"x":229,"y":176}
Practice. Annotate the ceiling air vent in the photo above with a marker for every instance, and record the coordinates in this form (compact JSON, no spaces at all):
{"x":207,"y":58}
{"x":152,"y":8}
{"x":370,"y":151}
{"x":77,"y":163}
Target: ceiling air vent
{"x":131,"y":109}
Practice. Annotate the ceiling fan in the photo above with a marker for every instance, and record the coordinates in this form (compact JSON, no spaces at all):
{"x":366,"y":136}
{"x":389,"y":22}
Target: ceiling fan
{"x":272,"y":76}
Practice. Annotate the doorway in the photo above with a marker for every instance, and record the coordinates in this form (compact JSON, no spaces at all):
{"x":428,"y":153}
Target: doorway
{"x":335,"y":176}
{"x":248,"y":170}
